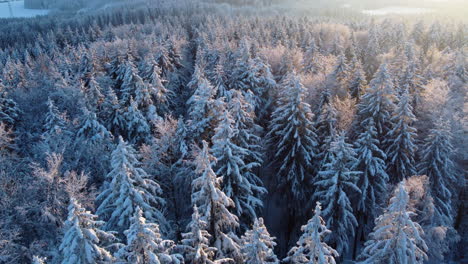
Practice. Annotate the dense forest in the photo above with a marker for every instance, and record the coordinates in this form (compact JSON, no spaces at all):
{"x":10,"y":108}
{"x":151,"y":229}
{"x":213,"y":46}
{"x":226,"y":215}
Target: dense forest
{"x":203,"y":132}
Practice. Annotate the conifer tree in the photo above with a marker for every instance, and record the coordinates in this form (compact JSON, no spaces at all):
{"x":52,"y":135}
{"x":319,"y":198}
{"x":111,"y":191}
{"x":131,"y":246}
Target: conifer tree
{"x":38,"y":260}
{"x":134,"y":124}
{"x":378,"y":104}
{"x":371,"y":162}
{"x":437,"y":164}
{"x":396,"y":239}
{"x":200,"y":107}
{"x":129,"y":187}
{"x":258,"y":245}
{"x":145,"y":245}
{"x":357,"y":82}
{"x":195,"y":243}
{"x":231,"y":167}
{"x":55,"y":122}
{"x":311,"y":247}
{"x":91,"y":129}
{"x":9,"y":112}
{"x":401,"y":141}
{"x":338,"y":79}
{"x":213,"y":205}
{"x":292,"y":138}
{"x":326,"y":129}
{"x":336,"y":184}
{"x":157,"y":90}
{"x":313,"y":59}
{"x":83,"y":239}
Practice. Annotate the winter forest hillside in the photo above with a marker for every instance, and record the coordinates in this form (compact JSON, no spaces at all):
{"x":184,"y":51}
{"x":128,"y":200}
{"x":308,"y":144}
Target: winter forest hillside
{"x":232,"y":132}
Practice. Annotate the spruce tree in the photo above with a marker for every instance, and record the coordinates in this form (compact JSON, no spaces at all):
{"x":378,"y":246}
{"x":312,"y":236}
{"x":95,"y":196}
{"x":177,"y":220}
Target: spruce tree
{"x":213,"y":205}
{"x":370,"y":160}
{"x":437,"y":163}
{"x":231,"y":167}
{"x":144,"y":243}
{"x":9,"y":112}
{"x":129,"y":187}
{"x":92,"y":130}
{"x":258,"y":245}
{"x":292,"y":138}
{"x":311,"y":247}
{"x":336,"y":184}
{"x":196,"y":241}
{"x":400,"y":140}
{"x":134,"y":124}
{"x":396,"y":239}
{"x":83,"y":239}
{"x":200,"y":108}
{"x":378,"y":104}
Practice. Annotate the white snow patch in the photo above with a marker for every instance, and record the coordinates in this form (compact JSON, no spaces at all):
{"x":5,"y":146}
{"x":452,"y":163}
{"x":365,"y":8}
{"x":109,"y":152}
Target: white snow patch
{"x":17,"y":10}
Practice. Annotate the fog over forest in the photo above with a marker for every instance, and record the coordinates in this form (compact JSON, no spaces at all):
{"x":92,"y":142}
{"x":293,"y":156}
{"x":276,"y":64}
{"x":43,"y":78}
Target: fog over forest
{"x":234,"y":131}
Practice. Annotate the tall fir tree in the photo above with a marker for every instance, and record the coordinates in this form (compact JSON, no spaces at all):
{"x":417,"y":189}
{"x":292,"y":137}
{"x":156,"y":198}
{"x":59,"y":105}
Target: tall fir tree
{"x":83,"y":239}
{"x":437,"y":163}
{"x":258,"y":245}
{"x":92,"y":130}
{"x":231,"y":167}
{"x":370,"y":160}
{"x":129,"y":187}
{"x":196,"y":241}
{"x":336,"y":184}
{"x":200,"y":108}
{"x":400,"y":140}
{"x":378,"y":104}
{"x":145,"y":245}
{"x":311,"y":247}
{"x":292,"y":138}
{"x":396,"y":239}
{"x":214,"y":205}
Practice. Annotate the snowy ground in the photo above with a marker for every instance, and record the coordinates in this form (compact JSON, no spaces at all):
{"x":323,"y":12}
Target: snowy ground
{"x":18,"y":10}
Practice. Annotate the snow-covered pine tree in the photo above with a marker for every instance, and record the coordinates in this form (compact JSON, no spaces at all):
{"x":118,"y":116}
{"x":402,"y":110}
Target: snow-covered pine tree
{"x":338,"y":79}
{"x":311,"y":247}
{"x":145,"y":245}
{"x":83,"y":239}
{"x":133,"y":86}
{"x":230,"y":166}
{"x":38,"y":260}
{"x":396,"y":239}
{"x":9,"y":111}
{"x":378,"y":103}
{"x":255,"y":76}
{"x":213,"y":205}
{"x":195,"y":243}
{"x":129,"y":187}
{"x":313,"y":59}
{"x":357,"y":82}
{"x":134,"y":124}
{"x":334,"y":187}
{"x":219,"y":80}
{"x":292,"y":138}
{"x":326,"y":127}
{"x":437,"y":164}
{"x":157,"y":90}
{"x":55,"y":122}
{"x":91,"y":129}
{"x":93,"y":94}
{"x":258,"y":245}
{"x":200,"y":107}
{"x":400,"y":140}
{"x":371,"y":162}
